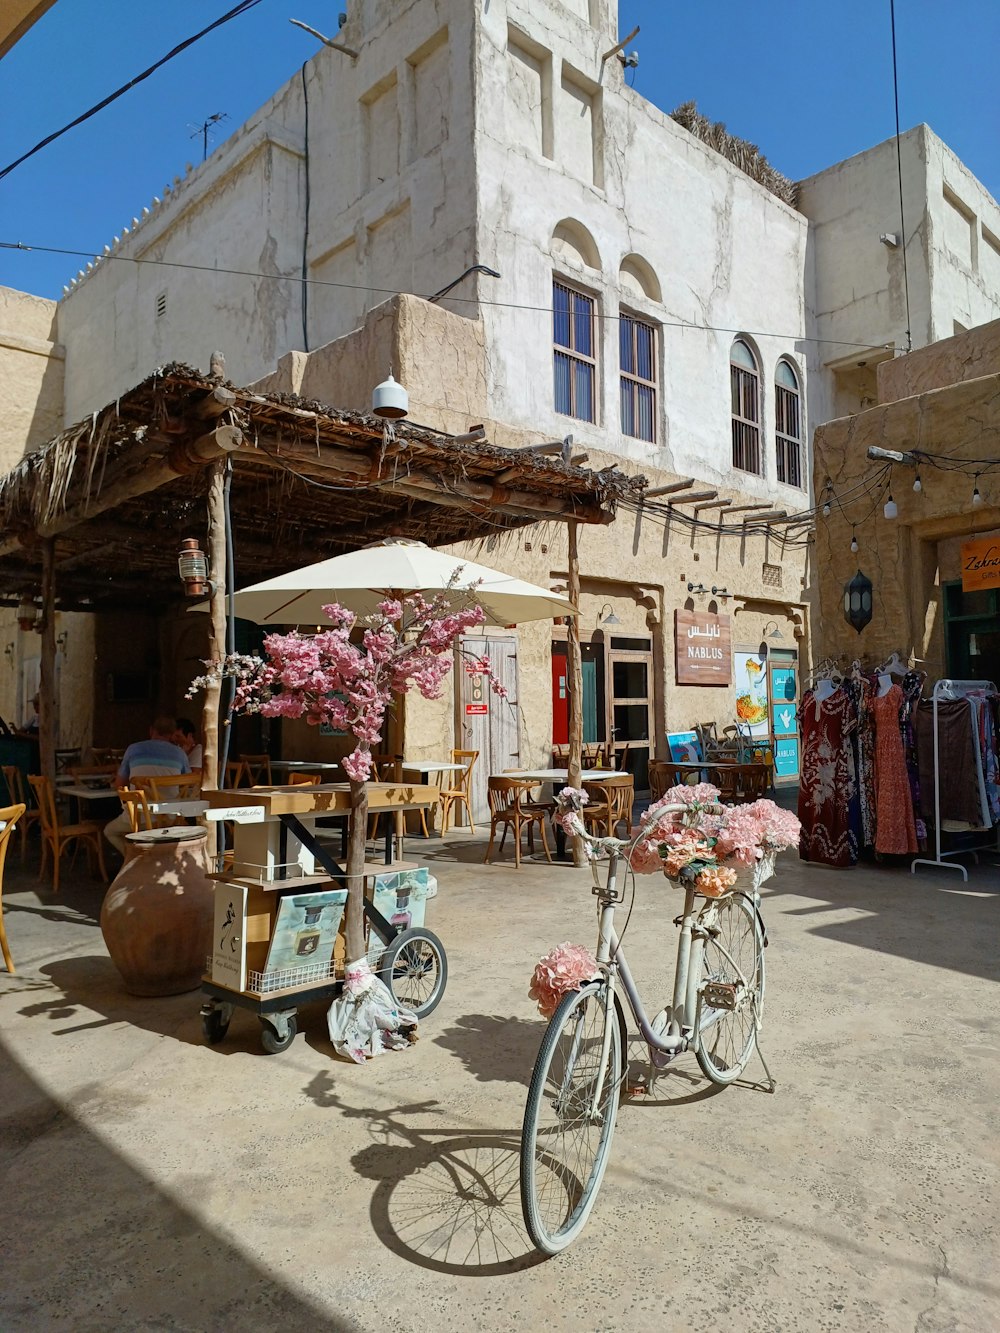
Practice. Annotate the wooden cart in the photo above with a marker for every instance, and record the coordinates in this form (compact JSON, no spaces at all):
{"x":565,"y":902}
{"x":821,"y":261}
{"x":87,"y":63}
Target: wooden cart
{"x":278,"y":850}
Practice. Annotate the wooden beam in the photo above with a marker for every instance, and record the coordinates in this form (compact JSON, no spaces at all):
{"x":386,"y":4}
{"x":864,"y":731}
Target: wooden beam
{"x":712,"y":504}
{"x":214,"y":404}
{"x":741,"y":509}
{"x":771,"y":513}
{"x":47,"y":676}
{"x":574,"y":668}
{"x":694,"y":499}
{"x":672,"y":489}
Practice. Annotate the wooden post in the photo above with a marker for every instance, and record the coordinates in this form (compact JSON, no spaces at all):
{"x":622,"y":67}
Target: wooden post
{"x":217,"y":626}
{"x":357,"y":832}
{"x":575,"y":669}
{"x":47,"y":679}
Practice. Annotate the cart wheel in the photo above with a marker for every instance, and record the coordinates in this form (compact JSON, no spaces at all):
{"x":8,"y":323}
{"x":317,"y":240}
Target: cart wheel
{"x":270,"y":1039}
{"x":415,"y":968}
{"x":215,"y":1023}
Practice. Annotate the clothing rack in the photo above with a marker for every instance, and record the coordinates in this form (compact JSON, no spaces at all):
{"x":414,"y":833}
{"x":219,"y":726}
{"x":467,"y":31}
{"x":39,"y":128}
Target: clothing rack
{"x":950,"y":690}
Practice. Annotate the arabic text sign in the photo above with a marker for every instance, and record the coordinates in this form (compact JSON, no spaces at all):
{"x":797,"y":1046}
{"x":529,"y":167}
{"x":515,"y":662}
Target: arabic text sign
{"x":981,"y":564}
{"x":702,"y":648}
{"x":783,"y":703}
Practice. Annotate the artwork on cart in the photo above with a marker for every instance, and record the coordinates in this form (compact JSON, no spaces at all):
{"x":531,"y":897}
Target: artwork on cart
{"x":684,"y":747}
{"x":305,"y":929}
{"x":229,"y":955}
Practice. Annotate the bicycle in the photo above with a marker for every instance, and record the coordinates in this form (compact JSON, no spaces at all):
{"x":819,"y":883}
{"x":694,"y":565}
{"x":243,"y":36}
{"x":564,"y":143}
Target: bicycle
{"x":716,"y":1012}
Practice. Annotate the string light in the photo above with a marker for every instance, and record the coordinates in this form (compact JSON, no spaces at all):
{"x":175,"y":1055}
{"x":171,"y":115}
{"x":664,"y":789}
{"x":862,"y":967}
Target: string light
{"x":917,"y":484}
{"x":826,"y":509}
{"x":890,"y":509}
{"x":854,"y":540}
{"x":977,"y":499}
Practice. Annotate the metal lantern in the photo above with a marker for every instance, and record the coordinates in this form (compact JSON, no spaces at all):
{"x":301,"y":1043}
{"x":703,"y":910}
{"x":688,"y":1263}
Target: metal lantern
{"x":858,"y":601}
{"x":390,"y":400}
{"x":192,"y":566}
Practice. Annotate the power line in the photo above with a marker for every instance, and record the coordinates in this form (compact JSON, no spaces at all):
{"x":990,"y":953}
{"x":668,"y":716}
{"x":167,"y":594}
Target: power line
{"x":392,"y":291}
{"x":235,"y":12}
{"x":899,"y":173}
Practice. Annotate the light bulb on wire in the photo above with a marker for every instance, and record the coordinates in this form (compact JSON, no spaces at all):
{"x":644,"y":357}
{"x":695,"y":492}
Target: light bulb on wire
{"x":854,"y":541}
{"x":977,"y":499}
{"x":890,"y":509}
{"x":917,"y":484}
{"x":826,"y":509}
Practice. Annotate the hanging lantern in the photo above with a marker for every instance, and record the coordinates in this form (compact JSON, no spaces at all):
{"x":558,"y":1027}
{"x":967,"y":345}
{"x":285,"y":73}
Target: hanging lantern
{"x":27,"y":614}
{"x":192,"y":565}
{"x":858,"y":601}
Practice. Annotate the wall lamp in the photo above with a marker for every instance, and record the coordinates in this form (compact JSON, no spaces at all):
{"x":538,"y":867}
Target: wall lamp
{"x":719,"y":592}
{"x":9,"y":650}
{"x":192,"y":566}
{"x":771,"y":630}
{"x":61,"y":640}
{"x":698,"y":587}
{"x":610,"y":618}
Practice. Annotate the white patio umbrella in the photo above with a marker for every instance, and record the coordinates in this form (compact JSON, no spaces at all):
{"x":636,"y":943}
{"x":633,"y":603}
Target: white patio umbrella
{"x":361,"y":579}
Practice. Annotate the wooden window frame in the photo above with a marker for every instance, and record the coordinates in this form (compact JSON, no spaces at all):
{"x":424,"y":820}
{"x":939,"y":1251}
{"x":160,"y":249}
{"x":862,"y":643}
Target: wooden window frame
{"x":746,"y":429}
{"x":788,"y":447}
{"x":635,"y":381}
{"x":571,"y":353}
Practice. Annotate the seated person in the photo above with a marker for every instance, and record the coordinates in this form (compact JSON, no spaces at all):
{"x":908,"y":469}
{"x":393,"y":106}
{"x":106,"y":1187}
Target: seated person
{"x":156,"y":757}
{"x":187,"y":738}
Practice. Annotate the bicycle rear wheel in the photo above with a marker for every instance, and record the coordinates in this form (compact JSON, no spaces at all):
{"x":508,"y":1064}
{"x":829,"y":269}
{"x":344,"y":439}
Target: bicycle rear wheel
{"x":566,"y":1136}
{"x":734,"y":957}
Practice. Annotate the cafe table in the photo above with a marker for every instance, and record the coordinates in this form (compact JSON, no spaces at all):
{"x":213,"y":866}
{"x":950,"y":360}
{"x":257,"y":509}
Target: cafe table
{"x":303,"y":766}
{"x":530,"y":776}
{"x":81,"y":791}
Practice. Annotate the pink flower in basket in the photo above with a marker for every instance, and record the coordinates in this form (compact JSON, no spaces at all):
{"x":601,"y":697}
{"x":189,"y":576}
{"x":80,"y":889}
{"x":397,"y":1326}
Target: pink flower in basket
{"x":564,"y":969}
{"x":714,"y":881}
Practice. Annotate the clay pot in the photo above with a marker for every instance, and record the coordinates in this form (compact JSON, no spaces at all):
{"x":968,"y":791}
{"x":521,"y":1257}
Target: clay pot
{"x":157,"y":915}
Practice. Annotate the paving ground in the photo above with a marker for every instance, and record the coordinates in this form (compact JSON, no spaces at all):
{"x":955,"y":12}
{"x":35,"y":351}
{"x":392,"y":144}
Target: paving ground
{"x":151,"y":1182}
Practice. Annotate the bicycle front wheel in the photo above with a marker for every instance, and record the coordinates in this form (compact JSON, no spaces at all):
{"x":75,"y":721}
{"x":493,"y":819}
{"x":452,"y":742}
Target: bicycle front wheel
{"x":569,"y":1118}
{"x":734,"y":960}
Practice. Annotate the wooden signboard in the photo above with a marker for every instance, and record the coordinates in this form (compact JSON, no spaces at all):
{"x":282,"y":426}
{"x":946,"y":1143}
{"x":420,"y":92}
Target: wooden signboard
{"x":229,"y":950}
{"x":702,"y":648}
{"x":981,"y":564}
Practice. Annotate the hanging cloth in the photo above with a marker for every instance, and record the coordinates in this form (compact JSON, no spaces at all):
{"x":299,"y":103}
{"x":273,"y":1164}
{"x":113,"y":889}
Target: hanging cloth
{"x":828,"y":791}
{"x":896,"y":833}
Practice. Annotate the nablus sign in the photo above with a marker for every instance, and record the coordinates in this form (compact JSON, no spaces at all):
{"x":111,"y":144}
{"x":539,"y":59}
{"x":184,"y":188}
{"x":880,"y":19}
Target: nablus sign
{"x":702,"y":648}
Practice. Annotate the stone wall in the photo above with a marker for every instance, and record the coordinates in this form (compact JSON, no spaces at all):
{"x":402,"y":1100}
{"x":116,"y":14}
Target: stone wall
{"x":31,"y":375}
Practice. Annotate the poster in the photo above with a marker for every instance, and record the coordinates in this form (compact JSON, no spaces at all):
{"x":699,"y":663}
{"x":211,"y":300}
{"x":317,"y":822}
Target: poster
{"x":750,"y":681}
{"x":684,"y":747}
{"x":305,"y":930}
{"x":229,"y":955}
{"x":783,"y":701}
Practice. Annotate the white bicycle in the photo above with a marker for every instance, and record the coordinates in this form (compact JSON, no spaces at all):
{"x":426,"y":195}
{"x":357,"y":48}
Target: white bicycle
{"x":716,"y":1012}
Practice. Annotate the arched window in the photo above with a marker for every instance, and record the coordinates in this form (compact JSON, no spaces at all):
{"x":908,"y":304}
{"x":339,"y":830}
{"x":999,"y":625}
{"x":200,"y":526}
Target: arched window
{"x":745,"y":385}
{"x":788,"y":424}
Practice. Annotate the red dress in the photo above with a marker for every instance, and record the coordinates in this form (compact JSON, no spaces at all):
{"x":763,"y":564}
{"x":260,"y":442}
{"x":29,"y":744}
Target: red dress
{"x":828,"y":788}
{"x":895,"y":827}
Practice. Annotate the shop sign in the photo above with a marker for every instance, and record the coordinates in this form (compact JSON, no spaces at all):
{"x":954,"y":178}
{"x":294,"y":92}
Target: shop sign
{"x":981,"y":564}
{"x":476,"y":710}
{"x":783,"y":701}
{"x":786,"y":757}
{"x":702,"y":648}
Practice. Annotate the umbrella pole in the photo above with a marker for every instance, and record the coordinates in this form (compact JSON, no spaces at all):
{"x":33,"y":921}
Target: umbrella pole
{"x":575,"y":668}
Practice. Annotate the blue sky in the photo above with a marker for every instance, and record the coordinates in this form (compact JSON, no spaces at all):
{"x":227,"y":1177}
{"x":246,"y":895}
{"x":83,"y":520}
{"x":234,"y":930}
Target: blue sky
{"x":810,"y":84}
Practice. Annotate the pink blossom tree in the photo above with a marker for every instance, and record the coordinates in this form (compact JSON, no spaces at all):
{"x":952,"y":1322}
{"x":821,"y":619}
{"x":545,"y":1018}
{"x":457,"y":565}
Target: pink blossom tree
{"x":328,"y":680}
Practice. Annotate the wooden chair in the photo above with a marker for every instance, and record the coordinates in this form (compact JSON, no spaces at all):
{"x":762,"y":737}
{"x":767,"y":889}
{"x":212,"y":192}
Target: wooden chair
{"x":560,"y":756}
{"x":507,"y":807}
{"x":459,"y":794}
{"x":388,"y":768}
{"x":257,"y":768}
{"x":304,"y":779}
{"x":9,"y":817}
{"x":235,"y":774}
{"x":14,"y":779}
{"x":611,"y":801}
{"x":727,"y":778}
{"x":136,"y":806}
{"x":660,"y":778}
{"x":57,"y":837}
{"x":753,"y":781}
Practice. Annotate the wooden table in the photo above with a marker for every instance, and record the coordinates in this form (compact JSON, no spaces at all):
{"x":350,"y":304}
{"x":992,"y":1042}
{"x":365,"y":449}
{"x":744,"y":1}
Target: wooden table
{"x":304,"y":766}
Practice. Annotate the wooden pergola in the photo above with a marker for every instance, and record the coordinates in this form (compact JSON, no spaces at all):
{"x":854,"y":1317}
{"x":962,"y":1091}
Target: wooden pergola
{"x":94,"y":518}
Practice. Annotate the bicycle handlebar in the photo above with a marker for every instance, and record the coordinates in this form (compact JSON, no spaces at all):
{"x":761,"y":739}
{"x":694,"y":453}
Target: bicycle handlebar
{"x":610,"y":844}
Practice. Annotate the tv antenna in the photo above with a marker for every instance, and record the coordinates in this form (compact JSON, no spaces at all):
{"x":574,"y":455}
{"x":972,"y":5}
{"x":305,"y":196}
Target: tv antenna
{"x":204,"y":130}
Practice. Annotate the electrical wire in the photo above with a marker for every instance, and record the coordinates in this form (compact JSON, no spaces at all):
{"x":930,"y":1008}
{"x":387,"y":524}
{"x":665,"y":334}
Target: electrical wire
{"x":306,"y":190}
{"x":97,"y":259}
{"x":899,"y":173}
{"x":233,"y":13}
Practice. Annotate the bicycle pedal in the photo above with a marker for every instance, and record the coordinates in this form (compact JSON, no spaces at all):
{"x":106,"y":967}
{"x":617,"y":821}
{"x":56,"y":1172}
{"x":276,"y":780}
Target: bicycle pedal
{"x":720,"y":994}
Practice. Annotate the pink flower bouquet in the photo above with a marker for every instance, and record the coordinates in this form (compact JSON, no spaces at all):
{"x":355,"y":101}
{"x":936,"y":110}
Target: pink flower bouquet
{"x":564,"y":969}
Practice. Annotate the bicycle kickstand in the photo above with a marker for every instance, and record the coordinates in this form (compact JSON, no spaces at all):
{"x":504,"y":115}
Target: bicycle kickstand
{"x":772,"y":1084}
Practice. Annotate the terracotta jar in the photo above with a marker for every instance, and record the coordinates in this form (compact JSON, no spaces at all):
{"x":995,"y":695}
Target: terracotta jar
{"x":157,"y":915}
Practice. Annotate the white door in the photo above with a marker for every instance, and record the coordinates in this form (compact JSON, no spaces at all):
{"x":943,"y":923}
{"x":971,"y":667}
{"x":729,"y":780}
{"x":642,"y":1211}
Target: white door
{"x":485,"y":722}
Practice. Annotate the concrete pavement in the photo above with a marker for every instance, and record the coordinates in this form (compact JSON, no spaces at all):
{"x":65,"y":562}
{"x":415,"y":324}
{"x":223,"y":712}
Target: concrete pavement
{"x":152,"y":1182}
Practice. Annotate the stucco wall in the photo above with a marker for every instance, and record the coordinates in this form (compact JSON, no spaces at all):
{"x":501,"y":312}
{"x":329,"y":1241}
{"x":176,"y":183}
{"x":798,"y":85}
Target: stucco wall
{"x":31,"y":375}
{"x":966,"y":356}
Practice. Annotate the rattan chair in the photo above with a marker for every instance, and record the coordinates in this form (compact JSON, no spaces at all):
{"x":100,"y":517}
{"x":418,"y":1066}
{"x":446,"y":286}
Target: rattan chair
{"x":57,"y":837}
{"x":660,"y":777}
{"x":9,"y":817}
{"x":459,"y":794}
{"x":509,"y":808}
{"x":14,"y":779}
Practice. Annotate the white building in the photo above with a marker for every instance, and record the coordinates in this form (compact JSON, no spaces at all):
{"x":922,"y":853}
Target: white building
{"x":496,"y":135}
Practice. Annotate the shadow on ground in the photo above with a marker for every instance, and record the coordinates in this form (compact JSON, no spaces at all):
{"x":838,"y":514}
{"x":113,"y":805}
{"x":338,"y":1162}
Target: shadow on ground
{"x":100,"y":1245}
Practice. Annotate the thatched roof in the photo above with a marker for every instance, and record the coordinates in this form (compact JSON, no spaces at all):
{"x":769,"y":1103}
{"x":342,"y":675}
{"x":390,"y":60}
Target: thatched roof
{"x":120,"y":490}
{"x":743,"y":154}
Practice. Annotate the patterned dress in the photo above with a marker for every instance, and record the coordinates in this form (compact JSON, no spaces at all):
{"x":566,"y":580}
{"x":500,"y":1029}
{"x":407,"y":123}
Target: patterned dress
{"x":895,"y":831}
{"x":828,"y":792}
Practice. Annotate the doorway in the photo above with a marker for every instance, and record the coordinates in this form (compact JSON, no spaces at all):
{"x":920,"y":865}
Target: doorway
{"x":972,"y":632}
{"x":630,"y":706}
{"x":486,"y":722}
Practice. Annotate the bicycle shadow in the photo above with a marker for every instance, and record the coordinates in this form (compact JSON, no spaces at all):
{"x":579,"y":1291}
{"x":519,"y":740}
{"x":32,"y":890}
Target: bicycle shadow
{"x":494,"y":1047}
{"x":447,"y":1200}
